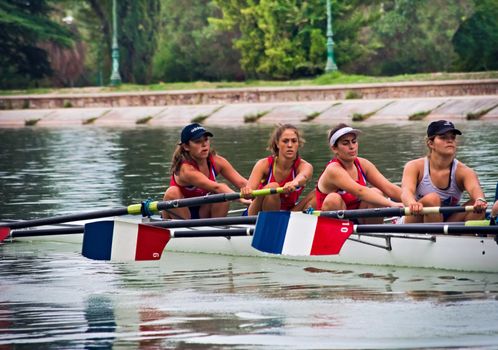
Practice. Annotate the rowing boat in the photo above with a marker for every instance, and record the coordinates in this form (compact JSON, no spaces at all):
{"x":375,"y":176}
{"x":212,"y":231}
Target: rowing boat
{"x":452,"y":252}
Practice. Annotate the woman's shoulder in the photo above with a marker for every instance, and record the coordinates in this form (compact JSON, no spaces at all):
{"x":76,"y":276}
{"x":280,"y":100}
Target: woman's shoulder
{"x":417,"y":163}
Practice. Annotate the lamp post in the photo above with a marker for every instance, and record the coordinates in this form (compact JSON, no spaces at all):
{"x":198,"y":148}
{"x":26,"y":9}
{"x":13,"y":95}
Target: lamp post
{"x":115,"y":77}
{"x":330,"y":66}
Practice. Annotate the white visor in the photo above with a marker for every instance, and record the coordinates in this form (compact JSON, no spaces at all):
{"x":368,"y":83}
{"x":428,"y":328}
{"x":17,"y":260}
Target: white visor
{"x":341,"y":132}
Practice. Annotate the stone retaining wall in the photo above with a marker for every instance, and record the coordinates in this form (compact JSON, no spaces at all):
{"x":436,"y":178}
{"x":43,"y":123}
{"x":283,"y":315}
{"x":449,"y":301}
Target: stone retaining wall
{"x":254,"y":95}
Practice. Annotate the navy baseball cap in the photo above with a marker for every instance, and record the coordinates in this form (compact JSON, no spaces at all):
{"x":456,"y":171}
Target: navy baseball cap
{"x":441,"y":127}
{"x":193,"y":132}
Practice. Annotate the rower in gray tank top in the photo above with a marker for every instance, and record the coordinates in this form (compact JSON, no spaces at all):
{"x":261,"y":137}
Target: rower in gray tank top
{"x":450,"y":196}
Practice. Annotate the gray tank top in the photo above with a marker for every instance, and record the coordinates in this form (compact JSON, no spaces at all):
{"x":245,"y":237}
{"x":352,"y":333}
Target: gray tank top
{"x":449,"y":196}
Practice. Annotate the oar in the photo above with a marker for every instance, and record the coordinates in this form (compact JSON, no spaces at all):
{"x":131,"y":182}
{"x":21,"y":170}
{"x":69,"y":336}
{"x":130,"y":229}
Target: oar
{"x":384,"y":212}
{"x":134,"y":209}
{"x":123,"y":240}
{"x":250,"y":220}
{"x":296,"y":234}
{"x":78,"y":229}
{"x":287,"y":233}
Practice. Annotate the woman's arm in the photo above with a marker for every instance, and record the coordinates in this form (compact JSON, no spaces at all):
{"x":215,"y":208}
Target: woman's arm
{"x":228,"y":172}
{"x":337,"y":177}
{"x":303,"y":174}
{"x":375,"y":177}
{"x":190,"y":176}
{"x":409,"y":185}
{"x":257,"y":174}
{"x":472,"y":185}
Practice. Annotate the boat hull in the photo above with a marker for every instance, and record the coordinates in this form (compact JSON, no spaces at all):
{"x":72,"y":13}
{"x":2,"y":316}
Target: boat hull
{"x":465,"y":253}
{"x":446,"y":252}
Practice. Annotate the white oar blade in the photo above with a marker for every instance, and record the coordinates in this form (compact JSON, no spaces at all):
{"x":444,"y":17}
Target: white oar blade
{"x":294,"y":233}
{"x":123,"y":241}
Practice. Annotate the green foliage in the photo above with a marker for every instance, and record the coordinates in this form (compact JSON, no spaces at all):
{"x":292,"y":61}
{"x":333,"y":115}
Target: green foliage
{"x":476,"y":41}
{"x":191,"y":47}
{"x":137,"y":38}
{"x":24,"y":25}
{"x":414,"y":36}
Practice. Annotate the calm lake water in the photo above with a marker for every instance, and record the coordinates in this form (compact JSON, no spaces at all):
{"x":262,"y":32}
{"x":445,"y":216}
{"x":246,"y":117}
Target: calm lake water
{"x":52,"y":297}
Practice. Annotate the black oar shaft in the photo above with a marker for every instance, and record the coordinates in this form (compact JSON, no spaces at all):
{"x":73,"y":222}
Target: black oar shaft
{"x":423,"y":228}
{"x":385,"y":212}
{"x":214,"y":233}
{"x":47,"y":232}
{"x":238,"y":220}
{"x":67,"y":218}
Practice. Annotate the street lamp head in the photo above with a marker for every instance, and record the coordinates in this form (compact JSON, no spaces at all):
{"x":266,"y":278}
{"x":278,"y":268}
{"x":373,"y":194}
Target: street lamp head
{"x":68,"y":19}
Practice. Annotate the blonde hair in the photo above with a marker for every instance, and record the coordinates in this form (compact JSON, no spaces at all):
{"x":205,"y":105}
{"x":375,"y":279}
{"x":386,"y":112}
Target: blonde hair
{"x":277,"y":134}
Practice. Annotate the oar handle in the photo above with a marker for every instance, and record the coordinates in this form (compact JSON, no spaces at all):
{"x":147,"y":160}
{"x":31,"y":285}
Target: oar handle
{"x":442,"y":210}
{"x":385,"y":212}
{"x":425,"y":228}
{"x":212,"y":198}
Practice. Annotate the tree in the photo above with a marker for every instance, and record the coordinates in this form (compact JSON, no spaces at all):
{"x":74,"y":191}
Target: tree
{"x":23,"y":26}
{"x":476,"y":40}
{"x":281,"y":39}
{"x":414,"y":36}
{"x":190,"y":47}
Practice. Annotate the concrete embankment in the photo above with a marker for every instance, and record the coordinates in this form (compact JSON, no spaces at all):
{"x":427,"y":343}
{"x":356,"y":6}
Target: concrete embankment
{"x":378,"y":103}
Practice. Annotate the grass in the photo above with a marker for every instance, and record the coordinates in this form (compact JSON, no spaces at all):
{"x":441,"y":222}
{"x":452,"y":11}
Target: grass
{"x":31,"y":122}
{"x":199,"y":118}
{"x":253,"y":118}
{"x":334,"y":78}
{"x":359,"y":117}
{"x":310,"y":117}
{"x":144,"y":120}
{"x":477,"y":115}
{"x":419,"y":115}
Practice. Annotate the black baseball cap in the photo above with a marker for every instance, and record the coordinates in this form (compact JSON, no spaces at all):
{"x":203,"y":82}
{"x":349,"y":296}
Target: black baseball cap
{"x":193,"y":131}
{"x":441,"y":127}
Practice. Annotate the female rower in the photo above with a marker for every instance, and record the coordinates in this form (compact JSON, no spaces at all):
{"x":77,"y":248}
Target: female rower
{"x":439,"y":179}
{"x":283,"y":168}
{"x":494,"y":214}
{"x":343,"y":183}
{"x":193,"y":173}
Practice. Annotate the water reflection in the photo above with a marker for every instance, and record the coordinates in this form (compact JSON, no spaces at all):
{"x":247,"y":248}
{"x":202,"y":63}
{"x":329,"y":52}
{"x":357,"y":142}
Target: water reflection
{"x":51,"y":297}
{"x":54,"y":171}
{"x":193,"y":300}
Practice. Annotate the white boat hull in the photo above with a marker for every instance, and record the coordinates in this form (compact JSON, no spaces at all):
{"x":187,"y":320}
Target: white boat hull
{"x":465,"y":253}
{"x":447,"y":252}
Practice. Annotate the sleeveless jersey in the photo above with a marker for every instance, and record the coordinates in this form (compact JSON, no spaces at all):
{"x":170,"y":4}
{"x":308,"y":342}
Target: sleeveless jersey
{"x":450,"y":196}
{"x":287,"y":200}
{"x":351,"y":201}
{"x":193,"y":191}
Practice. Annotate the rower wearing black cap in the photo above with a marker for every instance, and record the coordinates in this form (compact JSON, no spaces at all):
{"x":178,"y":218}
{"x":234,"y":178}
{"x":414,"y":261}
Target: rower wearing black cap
{"x":194,"y":168}
{"x":439,"y":179}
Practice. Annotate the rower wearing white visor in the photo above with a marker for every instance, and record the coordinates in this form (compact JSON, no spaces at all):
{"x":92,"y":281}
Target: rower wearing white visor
{"x":344,"y":182}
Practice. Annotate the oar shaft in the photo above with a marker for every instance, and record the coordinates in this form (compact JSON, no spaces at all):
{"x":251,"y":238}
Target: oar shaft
{"x":135,"y":209}
{"x":213,"y":233}
{"x":238,"y":220}
{"x":423,"y":228}
{"x":384,"y":212}
{"x":66,"y":218}
{"x":47,"y":232}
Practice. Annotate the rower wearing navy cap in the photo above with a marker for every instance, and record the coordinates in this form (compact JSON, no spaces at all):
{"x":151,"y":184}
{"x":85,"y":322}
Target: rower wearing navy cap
{"x":194,"y":168}
{"x":439,"y":179}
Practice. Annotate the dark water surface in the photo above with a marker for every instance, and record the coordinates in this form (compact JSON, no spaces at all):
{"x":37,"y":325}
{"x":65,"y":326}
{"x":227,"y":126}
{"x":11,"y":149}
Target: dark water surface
{"x":51,"y":297}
